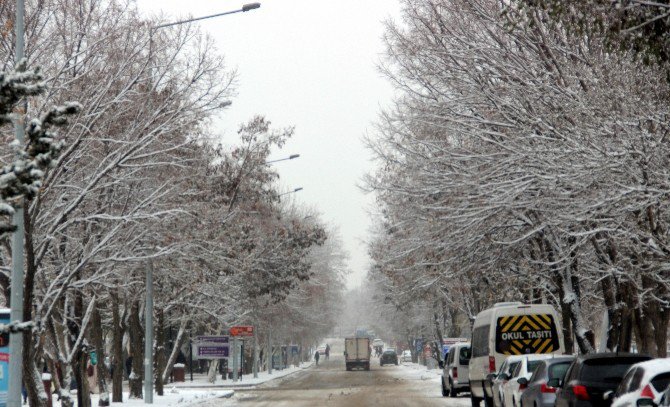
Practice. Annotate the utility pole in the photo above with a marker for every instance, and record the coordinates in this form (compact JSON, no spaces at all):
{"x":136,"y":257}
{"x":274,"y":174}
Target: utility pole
{"x":16,"y":300}
{"x":255,"y":366}
{"x":269,"y":349}
{"x":235,"y":364}
{"x":149,"y":337}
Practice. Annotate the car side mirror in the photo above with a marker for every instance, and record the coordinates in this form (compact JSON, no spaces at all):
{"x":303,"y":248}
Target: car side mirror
{"x":555,"y":382}
{"x":522,"y":381}
{"x":645,"y":402}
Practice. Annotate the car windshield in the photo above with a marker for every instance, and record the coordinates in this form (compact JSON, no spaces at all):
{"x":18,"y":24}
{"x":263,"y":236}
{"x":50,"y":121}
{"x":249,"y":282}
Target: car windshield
{"x":557,"y":370}
{"x":533,"y":364}
{"x":606,"y":370}
{"x":511,"y":367}
{"x":389,"y":352}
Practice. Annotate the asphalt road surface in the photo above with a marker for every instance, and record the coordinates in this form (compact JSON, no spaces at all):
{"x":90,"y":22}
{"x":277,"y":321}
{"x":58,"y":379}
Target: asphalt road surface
{"x":330,"y":384}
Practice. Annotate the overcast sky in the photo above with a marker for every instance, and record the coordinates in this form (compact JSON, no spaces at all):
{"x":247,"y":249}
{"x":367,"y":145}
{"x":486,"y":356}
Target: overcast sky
{"x":308,"y":64}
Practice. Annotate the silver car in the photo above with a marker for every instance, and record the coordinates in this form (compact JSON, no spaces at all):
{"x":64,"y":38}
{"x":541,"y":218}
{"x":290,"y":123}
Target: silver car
{"x":541,"y":387}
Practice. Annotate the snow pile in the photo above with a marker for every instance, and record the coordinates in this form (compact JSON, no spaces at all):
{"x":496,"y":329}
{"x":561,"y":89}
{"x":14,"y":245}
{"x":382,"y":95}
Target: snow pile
{"x":182,"y":397}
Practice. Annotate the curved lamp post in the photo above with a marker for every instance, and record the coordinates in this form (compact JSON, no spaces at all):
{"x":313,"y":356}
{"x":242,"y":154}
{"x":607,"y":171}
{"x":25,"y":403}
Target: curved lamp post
{"x":149,"y":329}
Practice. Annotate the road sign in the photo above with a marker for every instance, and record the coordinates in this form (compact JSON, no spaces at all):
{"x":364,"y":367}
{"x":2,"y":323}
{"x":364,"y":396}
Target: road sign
{"x":242,"y":331}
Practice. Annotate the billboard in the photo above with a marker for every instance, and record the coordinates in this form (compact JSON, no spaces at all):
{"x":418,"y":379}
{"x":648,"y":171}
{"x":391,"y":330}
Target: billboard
{"x":212,"y":347}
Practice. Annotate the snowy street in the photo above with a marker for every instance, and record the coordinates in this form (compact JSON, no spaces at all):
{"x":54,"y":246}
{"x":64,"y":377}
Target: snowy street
{"x":330,"y":384}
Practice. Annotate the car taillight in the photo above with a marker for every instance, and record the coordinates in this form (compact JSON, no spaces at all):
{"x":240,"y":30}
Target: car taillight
{"x":454,"y":373}
{"x":580,"y":392}
{"x":492,"y":364}
{"x":547,"y":389}
{"x":647,"y":392}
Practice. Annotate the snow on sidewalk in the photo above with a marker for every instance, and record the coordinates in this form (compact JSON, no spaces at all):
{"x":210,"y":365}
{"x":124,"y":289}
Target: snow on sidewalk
{"x":171,"y":397}
{"x":200,"y":380}
{"x":199,"y":390}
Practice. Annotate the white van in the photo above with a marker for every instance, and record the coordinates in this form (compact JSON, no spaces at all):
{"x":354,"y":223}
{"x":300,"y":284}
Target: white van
{"x":510,"y":328}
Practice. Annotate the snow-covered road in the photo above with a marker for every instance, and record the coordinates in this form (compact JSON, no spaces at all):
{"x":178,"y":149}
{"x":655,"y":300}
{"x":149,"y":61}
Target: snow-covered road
{"x":330,"y":384}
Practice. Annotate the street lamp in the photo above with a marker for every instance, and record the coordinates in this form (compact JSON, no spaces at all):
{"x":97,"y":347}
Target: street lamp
{"x":291,"y":192}
{"x":290,"y":157}
{"x":148,"y":327}
{"x":244,"y":9}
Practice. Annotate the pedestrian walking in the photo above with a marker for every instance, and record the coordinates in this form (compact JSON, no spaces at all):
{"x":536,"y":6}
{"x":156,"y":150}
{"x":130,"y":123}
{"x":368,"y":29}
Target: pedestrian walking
{"x":316,"y":357}
{"x":327,"y":352}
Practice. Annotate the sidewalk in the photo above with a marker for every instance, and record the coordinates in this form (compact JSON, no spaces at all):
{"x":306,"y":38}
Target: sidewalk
{"x":200,"y":379}
{"x":188,"y":393}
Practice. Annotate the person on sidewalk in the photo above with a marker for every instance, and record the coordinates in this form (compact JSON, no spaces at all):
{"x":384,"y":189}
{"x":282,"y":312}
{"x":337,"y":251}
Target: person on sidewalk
{"x":316,"y":357}
{"x":327,"y":352}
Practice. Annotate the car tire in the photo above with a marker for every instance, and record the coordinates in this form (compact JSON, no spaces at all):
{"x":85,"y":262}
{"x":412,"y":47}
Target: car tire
{"x":452,"y":391}
{"x":445,"y":393}
{"x":475,"y":401}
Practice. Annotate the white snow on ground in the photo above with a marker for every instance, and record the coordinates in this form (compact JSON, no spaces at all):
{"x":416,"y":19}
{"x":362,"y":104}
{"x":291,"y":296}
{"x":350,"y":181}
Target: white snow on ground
{"x":200,"y":380}
{"x":428,"y":380}
{"x":189,"y":393}
{"x":172,"y":397}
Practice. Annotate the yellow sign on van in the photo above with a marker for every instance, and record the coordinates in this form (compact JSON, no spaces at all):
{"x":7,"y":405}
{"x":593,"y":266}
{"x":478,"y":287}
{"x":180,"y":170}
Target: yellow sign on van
{"x":526,"y":334}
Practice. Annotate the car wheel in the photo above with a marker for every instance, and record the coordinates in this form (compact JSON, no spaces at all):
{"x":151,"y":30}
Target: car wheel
{"x":445,"y":393}
{"x":475,"y":401}
{"x":452,"y":391}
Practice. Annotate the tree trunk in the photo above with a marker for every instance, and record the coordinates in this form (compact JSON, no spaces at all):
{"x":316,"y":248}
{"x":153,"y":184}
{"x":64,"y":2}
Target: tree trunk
{"x":32,"y":377}
{"x":160,"y":351}
{"x":137,"y":351}
{"x":118,"y":330}
{"x":81,"y":356}
{"x":175,"y":350}
{"x":96,"y":339}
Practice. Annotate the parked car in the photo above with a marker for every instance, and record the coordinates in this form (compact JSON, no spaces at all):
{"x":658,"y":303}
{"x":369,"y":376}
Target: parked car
{"x":591,"y":376}
{"x":541,"y":388}
{"x":514,"y":387}
{"x":498,"y":379}
{"x":455,"y":370}
{"x":389,"y":357}
{"x":510,"y":328}
{"x":321,"y":349}
{"x":406,"y":355}
{"x":644,"y":380}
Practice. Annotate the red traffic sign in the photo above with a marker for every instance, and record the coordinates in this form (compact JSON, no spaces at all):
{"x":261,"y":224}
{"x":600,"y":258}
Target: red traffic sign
{"x":242,"y":331}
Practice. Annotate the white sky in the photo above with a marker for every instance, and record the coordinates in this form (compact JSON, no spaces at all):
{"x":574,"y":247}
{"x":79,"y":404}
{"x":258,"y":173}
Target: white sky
{"x":308,"y":63}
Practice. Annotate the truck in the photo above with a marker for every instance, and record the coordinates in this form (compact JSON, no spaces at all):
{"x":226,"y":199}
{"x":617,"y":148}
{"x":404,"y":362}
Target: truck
{"x":357,"y":352}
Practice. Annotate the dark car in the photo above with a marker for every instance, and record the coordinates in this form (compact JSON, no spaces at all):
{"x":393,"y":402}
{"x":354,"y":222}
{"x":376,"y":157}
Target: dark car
{"x":389,"y":357}
{"x":539,"y":392}
{"x":591,"y":376}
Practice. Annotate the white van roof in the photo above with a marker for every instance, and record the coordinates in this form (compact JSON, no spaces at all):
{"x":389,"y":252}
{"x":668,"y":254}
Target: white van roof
{"x":505,"y":304}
